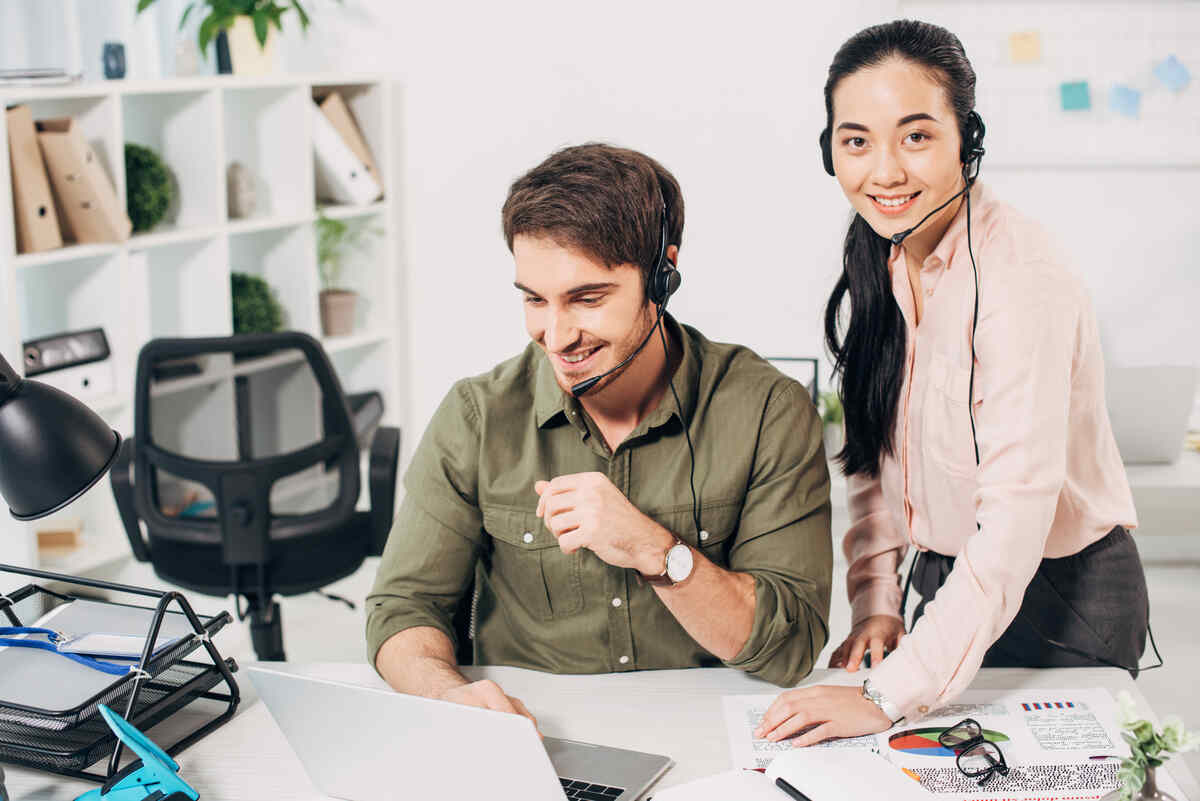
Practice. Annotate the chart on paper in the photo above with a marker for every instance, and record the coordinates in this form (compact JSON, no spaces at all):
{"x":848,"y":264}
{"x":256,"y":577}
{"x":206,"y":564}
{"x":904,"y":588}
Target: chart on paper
{"x":1062,"y":745}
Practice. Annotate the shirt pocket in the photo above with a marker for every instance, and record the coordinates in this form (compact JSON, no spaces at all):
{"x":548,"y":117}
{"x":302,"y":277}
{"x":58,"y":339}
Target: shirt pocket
{"x":528,"y":567}
{"x":719,"y":521}
{"x":946,"y":425}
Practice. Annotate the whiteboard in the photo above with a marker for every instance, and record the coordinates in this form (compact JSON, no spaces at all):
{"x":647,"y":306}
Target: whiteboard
{"x":1101,"y":42}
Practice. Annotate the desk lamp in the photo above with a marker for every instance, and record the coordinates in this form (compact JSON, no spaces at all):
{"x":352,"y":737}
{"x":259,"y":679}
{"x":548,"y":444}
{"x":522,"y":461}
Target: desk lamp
{"x":52,"y":450}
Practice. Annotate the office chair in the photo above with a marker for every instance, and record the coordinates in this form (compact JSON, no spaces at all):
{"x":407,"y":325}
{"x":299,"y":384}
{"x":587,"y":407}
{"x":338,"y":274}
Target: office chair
{"x":237,"y":498}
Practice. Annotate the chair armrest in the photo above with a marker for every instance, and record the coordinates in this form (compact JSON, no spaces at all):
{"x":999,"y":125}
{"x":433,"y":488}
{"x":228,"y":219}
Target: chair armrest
{"x":385,"y":460}
{"x":121,"y":477}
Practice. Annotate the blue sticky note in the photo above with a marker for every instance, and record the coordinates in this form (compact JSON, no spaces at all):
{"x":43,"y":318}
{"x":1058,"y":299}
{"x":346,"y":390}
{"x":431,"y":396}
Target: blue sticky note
{"x":1075,"y":96}
{"x":1124,"y":100}
{"x":1173,"y":74}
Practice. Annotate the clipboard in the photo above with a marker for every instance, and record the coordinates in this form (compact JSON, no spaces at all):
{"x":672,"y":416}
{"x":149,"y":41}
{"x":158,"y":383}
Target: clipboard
{"x":33,"y":205}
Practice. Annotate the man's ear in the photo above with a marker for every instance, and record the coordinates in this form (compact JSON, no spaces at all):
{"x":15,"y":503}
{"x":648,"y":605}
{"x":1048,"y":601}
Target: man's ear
{"x":673,"y":254}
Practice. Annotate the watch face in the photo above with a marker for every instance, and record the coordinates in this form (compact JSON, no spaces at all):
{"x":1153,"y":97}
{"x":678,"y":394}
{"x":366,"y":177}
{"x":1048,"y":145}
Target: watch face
{"x":679,"y":563}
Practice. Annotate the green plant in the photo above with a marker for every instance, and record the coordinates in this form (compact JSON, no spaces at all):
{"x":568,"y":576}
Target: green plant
{"x":222,"y":13}
{"x":1149,"y":748}
{"x":255,"y":309}
{"x":831,"y":408}
{"x":335,"y":239}
{"x":149,"y":188}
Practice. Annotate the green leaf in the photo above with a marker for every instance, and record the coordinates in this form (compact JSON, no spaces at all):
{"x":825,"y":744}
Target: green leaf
{"x":186,"y":13}
{"x":144,"y":4}
{"x":302,"y":14}
{"x":262,"y":24}
{"x":208,"y":29}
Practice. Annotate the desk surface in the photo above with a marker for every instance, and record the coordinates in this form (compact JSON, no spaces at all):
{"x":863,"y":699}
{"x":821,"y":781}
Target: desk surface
{"x":677,"y":712}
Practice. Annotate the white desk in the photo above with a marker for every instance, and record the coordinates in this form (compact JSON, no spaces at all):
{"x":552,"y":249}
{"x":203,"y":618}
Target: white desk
{"x":677,"y":712}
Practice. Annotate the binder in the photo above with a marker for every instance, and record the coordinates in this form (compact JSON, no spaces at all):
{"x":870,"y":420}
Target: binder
{"x":85,"y":192}
{"x":338,"y":113}
{"x":340,"y":175}
{"x":33,"y":205}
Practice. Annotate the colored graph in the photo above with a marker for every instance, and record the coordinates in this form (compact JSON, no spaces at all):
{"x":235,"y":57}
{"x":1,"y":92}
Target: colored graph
{"x":924,"y":742}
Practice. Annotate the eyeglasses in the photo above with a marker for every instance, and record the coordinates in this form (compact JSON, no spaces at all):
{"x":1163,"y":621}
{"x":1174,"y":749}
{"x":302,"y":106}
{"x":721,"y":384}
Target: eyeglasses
{"x":978,"y":758}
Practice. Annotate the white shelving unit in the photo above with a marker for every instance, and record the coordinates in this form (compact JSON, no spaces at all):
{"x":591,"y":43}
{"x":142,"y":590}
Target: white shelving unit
{"x":175,"y":279}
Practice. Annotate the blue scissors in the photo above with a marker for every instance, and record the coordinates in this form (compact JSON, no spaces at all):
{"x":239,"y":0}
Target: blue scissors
{"x":52,"y":642}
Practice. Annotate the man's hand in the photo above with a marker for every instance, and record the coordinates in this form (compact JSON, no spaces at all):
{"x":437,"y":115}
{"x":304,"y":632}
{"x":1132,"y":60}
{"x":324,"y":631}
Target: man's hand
{"x":878,"y":634}
{"x":585,"y":510}
{"x":487,"y":694}
{"x":823,"y":711}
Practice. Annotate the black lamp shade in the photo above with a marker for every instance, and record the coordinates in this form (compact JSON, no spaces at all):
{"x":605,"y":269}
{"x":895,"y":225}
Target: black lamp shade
{"x":52,"y":449}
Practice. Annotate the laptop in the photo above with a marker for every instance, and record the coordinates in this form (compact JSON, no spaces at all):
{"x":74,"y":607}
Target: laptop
{"x":1149,"y":408}
{"x":368,"y":744}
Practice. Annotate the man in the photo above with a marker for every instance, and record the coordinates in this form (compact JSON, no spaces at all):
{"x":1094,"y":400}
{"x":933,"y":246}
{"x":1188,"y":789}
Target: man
{"x":573,"y":518}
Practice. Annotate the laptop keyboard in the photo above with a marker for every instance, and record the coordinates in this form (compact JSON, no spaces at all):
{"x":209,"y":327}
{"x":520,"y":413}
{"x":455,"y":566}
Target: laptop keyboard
{"x":585,"y":791}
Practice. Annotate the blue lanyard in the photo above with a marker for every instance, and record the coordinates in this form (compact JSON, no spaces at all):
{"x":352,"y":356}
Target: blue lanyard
{"x":53,"y":638}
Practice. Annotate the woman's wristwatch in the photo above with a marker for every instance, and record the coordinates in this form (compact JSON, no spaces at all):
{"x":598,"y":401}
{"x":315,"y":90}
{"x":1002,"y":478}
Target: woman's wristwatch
{"x":885,"y":706}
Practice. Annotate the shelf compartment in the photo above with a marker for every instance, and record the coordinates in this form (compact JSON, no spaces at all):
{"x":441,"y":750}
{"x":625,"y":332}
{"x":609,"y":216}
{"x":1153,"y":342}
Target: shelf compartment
{"x":267,"y":130}
{"x":189,"y":290}
{"x":275,"y":256}
{"x":170,"y":124}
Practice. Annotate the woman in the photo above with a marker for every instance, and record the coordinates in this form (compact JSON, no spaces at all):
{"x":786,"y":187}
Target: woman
{"x":973,"y":385}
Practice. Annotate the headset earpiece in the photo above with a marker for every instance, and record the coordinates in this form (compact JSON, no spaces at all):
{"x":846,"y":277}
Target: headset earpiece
{"x":664,"y":278}
{"x":826,"y":142}
{"x":972,"y":144}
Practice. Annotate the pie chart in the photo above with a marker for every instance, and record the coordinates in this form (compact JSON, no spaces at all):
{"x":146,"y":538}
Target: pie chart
{"x":924,"y":742}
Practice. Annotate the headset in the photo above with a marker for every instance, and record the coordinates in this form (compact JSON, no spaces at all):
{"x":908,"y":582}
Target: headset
{"x":971,"y":154}
{"x":661,"y":283}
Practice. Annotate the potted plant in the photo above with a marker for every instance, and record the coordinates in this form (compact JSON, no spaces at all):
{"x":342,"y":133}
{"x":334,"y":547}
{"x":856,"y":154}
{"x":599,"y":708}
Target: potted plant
{"x":335,"y":240}
{"x":255,"y":309}
{"x":247,"y":26}
{"x":1149,"y":749}
{"x":832,"y":416}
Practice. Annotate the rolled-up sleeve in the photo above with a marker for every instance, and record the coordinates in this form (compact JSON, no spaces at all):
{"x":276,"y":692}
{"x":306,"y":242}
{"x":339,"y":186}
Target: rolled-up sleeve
{"x":874,"y":549}
{"x":431,"y":551}
{"x":784,"y":542}
{"x":1027,"y":345}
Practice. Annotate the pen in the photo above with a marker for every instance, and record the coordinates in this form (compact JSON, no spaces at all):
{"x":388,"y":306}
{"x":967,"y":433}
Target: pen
{"x":783,"y":784}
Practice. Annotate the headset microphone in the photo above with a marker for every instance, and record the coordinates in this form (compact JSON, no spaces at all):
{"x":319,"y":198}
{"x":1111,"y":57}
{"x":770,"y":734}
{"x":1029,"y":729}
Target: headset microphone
{"x":900,"y":237}
{"x":586,"y":384}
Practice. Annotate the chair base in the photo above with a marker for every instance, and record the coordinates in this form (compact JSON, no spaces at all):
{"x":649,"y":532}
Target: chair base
{"x":266,"y":630}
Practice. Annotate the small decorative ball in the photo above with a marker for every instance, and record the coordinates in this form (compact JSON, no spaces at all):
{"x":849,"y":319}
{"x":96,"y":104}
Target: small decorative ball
{"x":148,"y":186}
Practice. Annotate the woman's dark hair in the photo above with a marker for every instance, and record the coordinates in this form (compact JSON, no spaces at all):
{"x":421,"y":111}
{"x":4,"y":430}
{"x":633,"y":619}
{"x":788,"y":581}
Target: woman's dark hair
{"x":870,"y":357}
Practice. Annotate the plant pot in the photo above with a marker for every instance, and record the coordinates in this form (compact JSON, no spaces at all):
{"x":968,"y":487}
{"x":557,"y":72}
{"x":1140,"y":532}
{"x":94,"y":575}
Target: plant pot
{"x":244,"y":52}
{"x":337,"y":311}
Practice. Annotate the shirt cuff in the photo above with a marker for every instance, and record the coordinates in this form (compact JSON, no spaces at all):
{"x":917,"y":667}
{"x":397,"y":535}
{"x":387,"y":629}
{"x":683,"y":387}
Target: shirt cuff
{"x":903,"y":681}
{"x":779,"y":649}
{"x":880,"y":597}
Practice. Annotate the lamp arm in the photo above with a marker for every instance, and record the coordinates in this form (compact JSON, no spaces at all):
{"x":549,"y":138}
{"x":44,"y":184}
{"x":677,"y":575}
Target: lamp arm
{"x":9,"y":380}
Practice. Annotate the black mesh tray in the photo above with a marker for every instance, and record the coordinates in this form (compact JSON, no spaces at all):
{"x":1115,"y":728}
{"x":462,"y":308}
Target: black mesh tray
{"x":116,"y":694}
{"x":73,"y":750}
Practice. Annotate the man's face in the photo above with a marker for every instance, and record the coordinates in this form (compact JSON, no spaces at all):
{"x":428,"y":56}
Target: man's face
{"x":586,"y":316}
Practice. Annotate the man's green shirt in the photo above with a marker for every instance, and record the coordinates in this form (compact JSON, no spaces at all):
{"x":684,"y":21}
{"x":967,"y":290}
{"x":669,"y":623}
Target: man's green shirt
{"x":468,"y":513}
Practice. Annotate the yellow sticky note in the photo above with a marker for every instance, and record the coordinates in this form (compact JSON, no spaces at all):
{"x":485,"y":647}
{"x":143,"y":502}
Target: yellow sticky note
{"x":1025,"y":47}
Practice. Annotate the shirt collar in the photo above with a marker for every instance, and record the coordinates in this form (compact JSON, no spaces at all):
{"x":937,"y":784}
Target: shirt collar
{"x":551,"y":403}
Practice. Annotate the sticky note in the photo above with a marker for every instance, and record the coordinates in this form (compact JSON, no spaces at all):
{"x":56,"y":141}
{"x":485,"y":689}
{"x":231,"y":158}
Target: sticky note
{"x":1124,"y":100}
{"x":1172,"y":73}
{"x":1075,"y":96}
{"x":1025,"y":47}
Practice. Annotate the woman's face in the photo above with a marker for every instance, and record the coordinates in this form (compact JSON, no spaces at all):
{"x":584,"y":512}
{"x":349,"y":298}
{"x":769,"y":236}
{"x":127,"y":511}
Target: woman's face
{"x":896,"y":148}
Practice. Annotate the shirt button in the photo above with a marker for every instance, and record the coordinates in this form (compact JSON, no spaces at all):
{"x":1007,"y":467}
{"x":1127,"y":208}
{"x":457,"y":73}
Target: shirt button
{"x":929,"y":293}
{"x":703,"y":536}
{"x":528,"y":536}
{"x":923,"y":709}
{"x":616,"y":601}
{"x":624,"y":660}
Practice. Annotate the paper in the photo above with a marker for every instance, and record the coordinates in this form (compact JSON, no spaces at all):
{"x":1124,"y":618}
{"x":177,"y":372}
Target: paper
{"x":1075,"y":96}
{"x":1172,"y":74}
{"x":741,"y":785}
{"x":1124,"y":100}
{"x":1025,"y":47}
{"x":840,"y":775}
{"x":1058,"y":743}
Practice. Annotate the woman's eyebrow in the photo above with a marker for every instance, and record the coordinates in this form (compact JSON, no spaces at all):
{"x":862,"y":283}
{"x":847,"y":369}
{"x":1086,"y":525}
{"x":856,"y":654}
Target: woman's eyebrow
{"x":857,"y":126}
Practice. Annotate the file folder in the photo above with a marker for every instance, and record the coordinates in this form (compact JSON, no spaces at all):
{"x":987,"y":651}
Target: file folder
{"x":338,"y":113}
{"x":85,"y":192}
{"x":33,"y":205}
{"x":340,"y":175}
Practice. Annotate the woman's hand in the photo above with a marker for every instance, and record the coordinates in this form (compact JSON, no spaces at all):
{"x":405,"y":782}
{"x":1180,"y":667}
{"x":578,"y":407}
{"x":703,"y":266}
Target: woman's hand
{"x":825,"y":711}
{"x":878,"y":633}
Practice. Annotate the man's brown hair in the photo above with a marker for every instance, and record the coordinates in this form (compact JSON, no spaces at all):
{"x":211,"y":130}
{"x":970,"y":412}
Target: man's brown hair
{"x":606,"y":201}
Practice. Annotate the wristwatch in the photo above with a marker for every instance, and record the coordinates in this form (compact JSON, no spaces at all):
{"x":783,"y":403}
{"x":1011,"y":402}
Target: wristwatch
{"x":885,"y":706}
{"x":677,"y":567}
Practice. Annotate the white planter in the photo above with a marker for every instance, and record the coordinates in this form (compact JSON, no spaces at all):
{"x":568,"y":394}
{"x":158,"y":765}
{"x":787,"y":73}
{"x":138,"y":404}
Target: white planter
{"x":244,"y":52}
